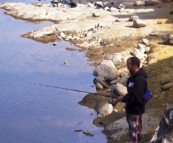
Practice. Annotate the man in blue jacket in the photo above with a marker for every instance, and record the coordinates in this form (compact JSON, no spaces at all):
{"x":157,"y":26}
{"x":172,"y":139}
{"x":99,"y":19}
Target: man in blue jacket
{"x":136,"y":86}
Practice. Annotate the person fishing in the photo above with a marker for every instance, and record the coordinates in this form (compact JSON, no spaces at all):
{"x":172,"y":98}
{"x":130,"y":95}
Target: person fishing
{"x":136,"y":86}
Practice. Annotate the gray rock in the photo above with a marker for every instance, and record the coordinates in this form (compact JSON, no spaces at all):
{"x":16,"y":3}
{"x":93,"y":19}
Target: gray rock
{"x":100,"y":80}
{"x":117,"y":59}
{"x":140,"y":55}
{"x":167,"y":86}
{"x":115,"y":81}
{"x":165,"y":79}
{"x":123,"y":80}
{"x":106,"y":69}
{"x":151,"y":2}
{"x":88,"y":133}
{"x":99,"y":86}
{"x":137,"y":23}
{"x":119,"y":89}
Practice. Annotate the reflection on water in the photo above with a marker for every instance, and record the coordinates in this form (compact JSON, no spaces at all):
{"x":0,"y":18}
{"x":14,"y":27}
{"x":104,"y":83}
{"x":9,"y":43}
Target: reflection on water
{"x":32,"y":113}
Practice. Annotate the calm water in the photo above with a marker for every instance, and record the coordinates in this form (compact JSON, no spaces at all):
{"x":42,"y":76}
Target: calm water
{"x":37,"y":114}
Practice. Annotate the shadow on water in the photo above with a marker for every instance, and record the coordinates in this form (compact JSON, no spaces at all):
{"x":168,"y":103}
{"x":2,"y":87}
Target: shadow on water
{"x":31,"y":113}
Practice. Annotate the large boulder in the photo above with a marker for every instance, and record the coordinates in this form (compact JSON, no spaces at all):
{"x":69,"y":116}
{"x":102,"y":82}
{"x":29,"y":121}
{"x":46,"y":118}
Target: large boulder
{"x":106,"y":69}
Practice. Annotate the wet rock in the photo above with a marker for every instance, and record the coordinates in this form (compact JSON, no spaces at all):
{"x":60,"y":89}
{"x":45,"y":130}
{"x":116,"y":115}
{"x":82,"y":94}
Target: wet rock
{"x":106,"y":109}
{"x":98,"y":86}
{"x":106,"y":69}
{"x":100,"y":80}
{"x":137,"y":23}
{"x":54,"y":43}
{"x":88,"y":133}
{"x":165,"y":79}
{"x":77,"y":130}
{"x":133,"y":17}
{"x":166,"y":86}
{"x":137,"y":3}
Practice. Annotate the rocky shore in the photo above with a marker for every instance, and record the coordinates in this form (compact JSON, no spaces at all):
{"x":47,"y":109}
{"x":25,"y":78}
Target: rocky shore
{"x":112,"y":31}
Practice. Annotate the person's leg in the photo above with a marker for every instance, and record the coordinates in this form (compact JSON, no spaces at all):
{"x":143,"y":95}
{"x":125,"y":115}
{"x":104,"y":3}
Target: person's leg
{"x":135,"y":127}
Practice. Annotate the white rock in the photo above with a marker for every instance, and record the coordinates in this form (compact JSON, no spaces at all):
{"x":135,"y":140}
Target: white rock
{"x":140,"y":55}
{"x":106,"y":109}
{"x":117,"y":59}
{"x":106,"y":69}
{"x":137,"y":3}
{"x":119,"y":89}
{"x":137,"y":23}
{"x":145,"y":41}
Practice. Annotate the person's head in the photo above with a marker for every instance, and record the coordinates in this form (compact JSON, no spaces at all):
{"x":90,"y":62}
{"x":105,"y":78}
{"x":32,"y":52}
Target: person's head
{"x":133,"y":64}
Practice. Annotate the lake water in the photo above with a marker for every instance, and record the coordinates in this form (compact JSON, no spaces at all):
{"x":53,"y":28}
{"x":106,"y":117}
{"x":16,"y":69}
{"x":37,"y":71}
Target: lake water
{"x":38,"y":114}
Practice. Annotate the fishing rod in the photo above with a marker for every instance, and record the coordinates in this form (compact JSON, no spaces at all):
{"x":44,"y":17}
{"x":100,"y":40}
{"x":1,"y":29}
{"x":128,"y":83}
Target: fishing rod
{"x":76,"y":90}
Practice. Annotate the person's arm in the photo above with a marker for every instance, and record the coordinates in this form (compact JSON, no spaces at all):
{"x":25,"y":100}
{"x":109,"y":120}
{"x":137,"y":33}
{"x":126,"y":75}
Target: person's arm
{"x":120,"y":98}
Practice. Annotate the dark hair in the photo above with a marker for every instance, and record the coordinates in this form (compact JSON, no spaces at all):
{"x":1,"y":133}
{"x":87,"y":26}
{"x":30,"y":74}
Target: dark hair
{"x":134,"y":61}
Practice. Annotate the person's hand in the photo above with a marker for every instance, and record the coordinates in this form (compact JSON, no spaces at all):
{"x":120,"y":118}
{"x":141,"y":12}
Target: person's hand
{"x":120,"y":98}
{"x":115,"y":101}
